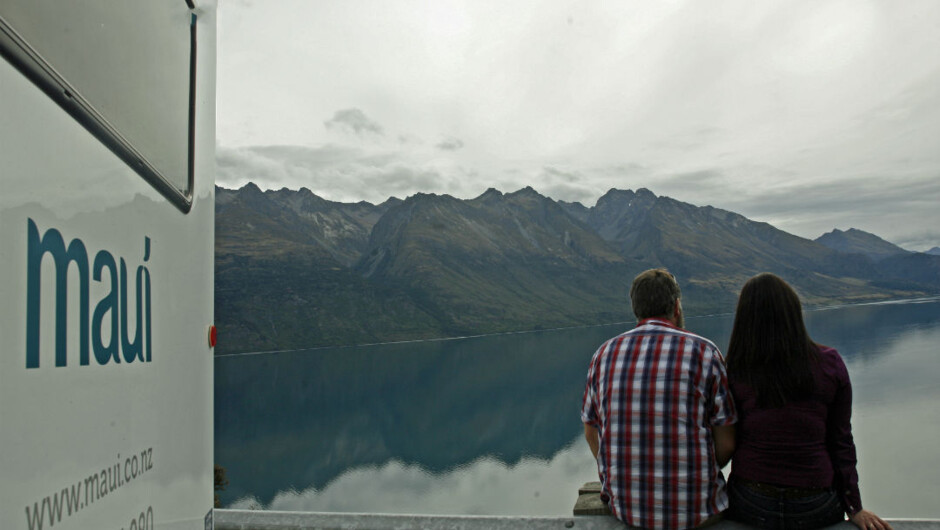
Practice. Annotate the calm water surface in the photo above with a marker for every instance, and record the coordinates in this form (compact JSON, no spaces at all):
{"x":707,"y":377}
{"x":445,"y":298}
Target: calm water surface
{"x":490,"y":425}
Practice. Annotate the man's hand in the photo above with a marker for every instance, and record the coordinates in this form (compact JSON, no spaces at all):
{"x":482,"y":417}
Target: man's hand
{"x":590,"y":434}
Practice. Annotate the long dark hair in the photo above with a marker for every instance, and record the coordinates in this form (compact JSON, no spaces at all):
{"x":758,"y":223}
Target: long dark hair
{"x":770,"y":349}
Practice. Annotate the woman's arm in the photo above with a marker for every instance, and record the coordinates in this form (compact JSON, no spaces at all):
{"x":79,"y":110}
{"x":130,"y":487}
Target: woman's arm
{"x":839,"y":441}
{"x":866,"y":520}
{"x":841,"y":446}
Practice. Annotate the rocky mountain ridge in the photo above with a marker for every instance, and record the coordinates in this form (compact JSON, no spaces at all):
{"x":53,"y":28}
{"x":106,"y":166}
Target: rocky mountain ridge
{"x":294,"y":270}
{"x":857,"y":241}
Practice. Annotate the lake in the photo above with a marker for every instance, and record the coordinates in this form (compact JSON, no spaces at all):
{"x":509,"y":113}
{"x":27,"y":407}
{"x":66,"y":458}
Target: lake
{"x":490,"y":425}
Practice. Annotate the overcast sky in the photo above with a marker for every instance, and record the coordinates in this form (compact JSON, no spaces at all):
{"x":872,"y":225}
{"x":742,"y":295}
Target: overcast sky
{"x":809,"y":115}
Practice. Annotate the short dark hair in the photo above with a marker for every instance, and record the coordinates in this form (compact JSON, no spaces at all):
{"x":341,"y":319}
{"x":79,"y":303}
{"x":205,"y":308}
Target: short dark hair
{"x":654,"y":293}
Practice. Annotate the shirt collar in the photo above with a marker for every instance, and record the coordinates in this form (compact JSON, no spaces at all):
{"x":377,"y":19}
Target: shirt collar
{"x":658,"y":322}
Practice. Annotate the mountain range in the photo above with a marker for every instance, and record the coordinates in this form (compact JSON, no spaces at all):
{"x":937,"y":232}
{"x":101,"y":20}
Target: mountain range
{"x":294,"y":270}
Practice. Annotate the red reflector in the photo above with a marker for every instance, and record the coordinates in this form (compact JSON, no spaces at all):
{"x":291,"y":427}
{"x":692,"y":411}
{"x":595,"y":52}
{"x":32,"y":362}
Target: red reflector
{"x":213,"y":336}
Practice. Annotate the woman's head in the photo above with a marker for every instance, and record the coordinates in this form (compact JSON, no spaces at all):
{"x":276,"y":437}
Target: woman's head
{"x":769,"y":307}
{"x":770,"y":348}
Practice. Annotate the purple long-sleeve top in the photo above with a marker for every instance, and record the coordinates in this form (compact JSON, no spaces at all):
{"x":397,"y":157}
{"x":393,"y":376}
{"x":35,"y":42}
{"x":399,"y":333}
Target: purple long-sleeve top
{"x":805,"y":444}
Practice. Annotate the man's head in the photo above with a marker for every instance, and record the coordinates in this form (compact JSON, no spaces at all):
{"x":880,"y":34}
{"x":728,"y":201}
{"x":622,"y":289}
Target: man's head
{"x":655,"y":294}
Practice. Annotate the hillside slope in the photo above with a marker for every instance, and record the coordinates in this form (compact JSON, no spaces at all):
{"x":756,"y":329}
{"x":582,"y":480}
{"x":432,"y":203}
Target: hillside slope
{"x":296,"y":271}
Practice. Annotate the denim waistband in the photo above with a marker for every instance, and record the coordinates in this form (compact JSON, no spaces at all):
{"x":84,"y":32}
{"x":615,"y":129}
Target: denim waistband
{"x":786,"y":492}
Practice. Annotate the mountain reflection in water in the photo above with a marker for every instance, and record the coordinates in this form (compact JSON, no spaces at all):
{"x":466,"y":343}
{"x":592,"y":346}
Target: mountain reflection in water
{"x":489,"y":425}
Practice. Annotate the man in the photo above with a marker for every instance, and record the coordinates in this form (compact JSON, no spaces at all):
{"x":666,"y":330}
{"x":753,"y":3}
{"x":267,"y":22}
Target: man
{"x":658,"y":415}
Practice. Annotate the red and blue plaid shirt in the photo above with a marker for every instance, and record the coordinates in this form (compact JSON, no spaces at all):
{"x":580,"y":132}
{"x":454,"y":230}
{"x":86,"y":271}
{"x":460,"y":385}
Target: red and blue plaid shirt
{"x":653,"y":394}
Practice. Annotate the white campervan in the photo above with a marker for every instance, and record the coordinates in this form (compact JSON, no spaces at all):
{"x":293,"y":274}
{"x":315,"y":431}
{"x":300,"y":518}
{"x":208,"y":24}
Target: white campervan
{"x":107,"y":134}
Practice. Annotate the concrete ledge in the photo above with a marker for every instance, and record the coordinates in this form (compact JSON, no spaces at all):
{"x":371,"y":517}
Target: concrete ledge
{"x":589,"y":500}
{"x":271,"y":520}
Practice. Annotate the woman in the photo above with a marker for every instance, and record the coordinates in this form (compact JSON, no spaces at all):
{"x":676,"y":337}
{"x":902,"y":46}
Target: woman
{"x":794,"y":466}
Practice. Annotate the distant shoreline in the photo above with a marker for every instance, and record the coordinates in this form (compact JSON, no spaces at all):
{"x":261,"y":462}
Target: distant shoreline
{"x":919,"y":300}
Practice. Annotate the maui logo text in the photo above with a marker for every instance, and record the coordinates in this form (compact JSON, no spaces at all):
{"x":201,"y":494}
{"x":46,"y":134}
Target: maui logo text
{"x":112,"y":308}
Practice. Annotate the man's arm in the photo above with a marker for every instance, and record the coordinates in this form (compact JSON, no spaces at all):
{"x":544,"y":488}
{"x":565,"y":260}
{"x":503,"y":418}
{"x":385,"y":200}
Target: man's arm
{"x":590,"y":434}
{"x":724,"y":443}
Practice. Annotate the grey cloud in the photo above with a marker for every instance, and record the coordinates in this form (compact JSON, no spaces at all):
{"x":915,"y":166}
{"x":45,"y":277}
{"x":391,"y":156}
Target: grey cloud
{"x":919,"y":241}
{"x":555,"y":174}
{"x":274,"y":167}
{"x":883,"y":207}
{"x":623,"y":169}
{"x":278,"y":165}
{"x":563,"y":185}
{"x":702,"y":181}
{"x":880,"y":204}
{"x":873,"y":195}
{"x":409,"y":139}
{"x":401,"y":180}
{"x":316,"y":156}
{"x":916,"y":106}
{"x":354,"y":121}
{"x":335,"y":172}
{"x":379,"y":159}
{"x":687,"y":140}
{"x":569,"y":193}
{"x":450,"y":144}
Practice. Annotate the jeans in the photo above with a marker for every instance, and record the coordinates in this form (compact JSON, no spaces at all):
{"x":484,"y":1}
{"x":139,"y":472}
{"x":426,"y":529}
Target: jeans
{"x":776,"y":512}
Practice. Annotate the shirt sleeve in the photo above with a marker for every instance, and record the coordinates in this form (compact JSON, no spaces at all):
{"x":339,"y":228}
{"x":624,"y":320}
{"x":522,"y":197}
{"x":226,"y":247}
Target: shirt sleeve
{"x":840,"y":443}
{"x":722,"y":408}
{"x":588,"y":408}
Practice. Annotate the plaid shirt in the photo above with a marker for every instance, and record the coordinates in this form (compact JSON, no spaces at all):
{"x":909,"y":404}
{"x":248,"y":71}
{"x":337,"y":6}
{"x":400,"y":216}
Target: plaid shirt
{"x":653,"y":394}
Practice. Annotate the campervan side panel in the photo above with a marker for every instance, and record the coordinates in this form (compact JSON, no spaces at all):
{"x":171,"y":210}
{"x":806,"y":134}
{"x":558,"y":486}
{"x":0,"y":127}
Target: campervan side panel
{"x":107,"y":299}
